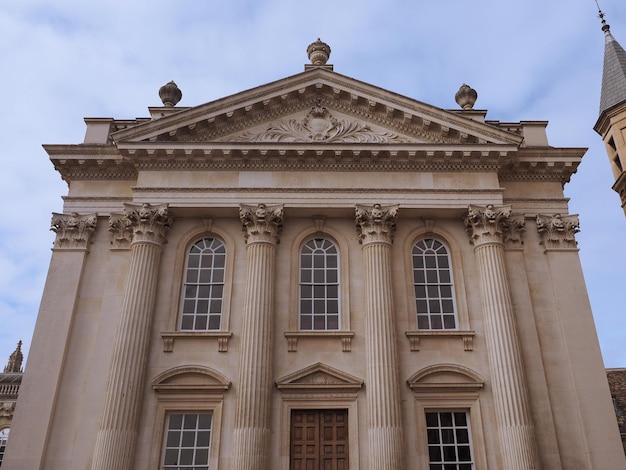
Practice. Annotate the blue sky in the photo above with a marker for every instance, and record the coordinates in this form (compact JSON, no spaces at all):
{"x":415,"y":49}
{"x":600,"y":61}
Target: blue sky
{"x":69,"y":59}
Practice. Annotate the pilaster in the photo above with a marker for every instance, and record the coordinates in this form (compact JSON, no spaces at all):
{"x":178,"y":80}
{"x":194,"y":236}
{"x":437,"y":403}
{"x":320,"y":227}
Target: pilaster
{"x":375,"y":227}
{"x":489,"y":227}
{"x":115,"y":442}
{"x":262,"y":226}
{"x":33,"y":418}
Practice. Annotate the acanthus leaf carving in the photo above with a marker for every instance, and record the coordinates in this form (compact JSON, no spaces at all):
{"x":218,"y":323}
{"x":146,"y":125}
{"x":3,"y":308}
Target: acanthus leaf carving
{"x":140,"y":223}
{"x":376,"y":223}
{"x":557,"y":231}
{"x":493,"y":224}
{"x":261,"y":223}
{"x":319,"y":125}
{"x":73,"y":230}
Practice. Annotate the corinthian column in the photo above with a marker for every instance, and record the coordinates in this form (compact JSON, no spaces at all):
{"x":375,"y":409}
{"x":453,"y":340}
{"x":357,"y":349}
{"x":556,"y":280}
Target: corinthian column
{"x":262,"y":226}
{"x":489,"y":227}
{"x":375,"y":226}
{"x":115,"y":443}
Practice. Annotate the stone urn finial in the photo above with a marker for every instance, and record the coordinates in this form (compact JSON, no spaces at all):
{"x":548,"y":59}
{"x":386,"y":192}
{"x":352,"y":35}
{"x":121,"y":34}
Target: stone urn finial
{"x":466,"y":97}
{"x":318,"y":52}
{"x":170,"y":94}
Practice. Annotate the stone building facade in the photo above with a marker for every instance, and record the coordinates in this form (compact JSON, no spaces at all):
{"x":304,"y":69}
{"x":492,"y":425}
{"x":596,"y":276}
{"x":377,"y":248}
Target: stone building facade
{"x":315,"y":273}
{"x":10,"y":381}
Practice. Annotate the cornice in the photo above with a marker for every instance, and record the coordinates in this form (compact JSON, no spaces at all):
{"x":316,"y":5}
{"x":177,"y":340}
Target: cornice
{"x":604,"y":120}
{"x":90,"y":161}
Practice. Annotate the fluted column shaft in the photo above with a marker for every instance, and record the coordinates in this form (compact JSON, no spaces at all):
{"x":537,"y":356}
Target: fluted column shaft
{"x":375,"y":225}
{"x":115,"y":443}
{"x":251,"y":437}
{"x":489,"y":226}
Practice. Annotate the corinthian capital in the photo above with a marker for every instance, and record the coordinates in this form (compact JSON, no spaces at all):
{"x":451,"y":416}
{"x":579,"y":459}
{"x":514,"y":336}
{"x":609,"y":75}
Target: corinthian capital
{"x":489,"y":224}
{"x":147,"y":223}
{"x":73,"y":230}
{"x":376,"y":223}
{"x":262,"y":223}
{"x":557,"y":231}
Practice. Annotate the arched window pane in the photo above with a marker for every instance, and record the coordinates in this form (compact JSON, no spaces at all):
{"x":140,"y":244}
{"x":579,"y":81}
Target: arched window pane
{"x":4,"y":436}
{"x":201,"y":306}
{"x":434,"y":291}
{"x":319,"y":286}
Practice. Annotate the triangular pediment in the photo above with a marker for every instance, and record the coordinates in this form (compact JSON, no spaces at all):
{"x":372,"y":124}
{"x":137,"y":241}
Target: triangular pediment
{"x":316,"y":106}
{"x":319,"y":377}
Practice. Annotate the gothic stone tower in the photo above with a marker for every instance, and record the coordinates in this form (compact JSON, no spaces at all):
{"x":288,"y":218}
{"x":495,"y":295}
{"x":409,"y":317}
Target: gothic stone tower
{"x":611,"y":124}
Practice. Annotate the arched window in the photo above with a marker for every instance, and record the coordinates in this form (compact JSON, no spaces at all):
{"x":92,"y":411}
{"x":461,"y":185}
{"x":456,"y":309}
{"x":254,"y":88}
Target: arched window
{"x":203,"y":289}
{"x":4,"y":437}
{"x":434,"y":289}
{"x":319,"y":285}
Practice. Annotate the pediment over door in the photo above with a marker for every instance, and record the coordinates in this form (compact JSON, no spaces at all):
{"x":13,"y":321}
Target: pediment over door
{"x":316,"y":106}
{"x":321,"y":378}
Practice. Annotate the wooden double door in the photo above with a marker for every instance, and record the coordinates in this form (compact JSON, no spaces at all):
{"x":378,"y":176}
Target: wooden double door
{"x":319,"y":440}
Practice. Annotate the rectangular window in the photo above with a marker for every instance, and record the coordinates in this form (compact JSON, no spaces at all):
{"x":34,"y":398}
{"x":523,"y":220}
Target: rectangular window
{"x":187,"y":441}
{"x":449,"y":440}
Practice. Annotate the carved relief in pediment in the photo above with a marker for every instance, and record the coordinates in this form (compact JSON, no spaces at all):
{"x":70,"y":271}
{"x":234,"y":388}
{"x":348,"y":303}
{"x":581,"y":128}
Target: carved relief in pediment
{"x":319,"y":377}
{"x":320,"y":125}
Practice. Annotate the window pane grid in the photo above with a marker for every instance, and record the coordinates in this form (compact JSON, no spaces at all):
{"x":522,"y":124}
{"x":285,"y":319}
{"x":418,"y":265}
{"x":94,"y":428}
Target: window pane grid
{"x":319,"y":286}
{"x":187,"y":441}
{"x":449,"y":441}
{"x":434,"y":291}
{"x":203,"y":289}
{"x":4,"y":436}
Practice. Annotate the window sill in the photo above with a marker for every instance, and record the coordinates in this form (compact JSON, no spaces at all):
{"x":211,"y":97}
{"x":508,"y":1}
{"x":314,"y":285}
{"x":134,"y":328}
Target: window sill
{"x":344,"y":336}
{"x":466,"y":335}
{"x":222,"y":338}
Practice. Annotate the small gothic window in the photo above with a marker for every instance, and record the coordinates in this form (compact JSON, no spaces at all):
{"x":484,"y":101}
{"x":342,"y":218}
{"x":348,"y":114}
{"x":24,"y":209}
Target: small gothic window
{"x":203,"y":289}
{"x":319,"y":285}
{"x":434,"y":289}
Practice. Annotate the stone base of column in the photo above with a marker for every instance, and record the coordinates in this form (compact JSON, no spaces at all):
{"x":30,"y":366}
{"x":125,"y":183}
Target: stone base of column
{"x":252,"y":444}
{"x":517,"y":453}
{"x":386,"y":448}
{"x":114,"y":449}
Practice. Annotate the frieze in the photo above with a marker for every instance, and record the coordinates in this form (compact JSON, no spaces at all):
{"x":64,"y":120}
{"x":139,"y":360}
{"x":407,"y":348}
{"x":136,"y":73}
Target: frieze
{"x":73,"y":231}
{"x":557,"y":231}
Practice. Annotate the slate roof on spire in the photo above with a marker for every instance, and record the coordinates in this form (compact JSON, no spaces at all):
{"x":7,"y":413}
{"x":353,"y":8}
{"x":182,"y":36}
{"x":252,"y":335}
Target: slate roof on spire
{"x":614,"y":72}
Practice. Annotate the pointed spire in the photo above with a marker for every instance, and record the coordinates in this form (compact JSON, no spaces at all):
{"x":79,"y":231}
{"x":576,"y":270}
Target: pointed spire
{"x":614,"y":71}
{"x":15,"y":360}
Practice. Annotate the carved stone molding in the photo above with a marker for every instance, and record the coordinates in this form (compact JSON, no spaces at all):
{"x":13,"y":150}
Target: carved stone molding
{"x":376,"y":223}
{"x":493,"y":224}
{"x":121,"y":230}
{"x":140,"y":223}
{"x":262,"y":223}
{"x":74,"y":231}
{"x":7,"y":409}
{"x":466,"y":335}
{"x":557,"y":231}
{"x":344,"y":336}
{"x":319,"y":378}
{"x":319,"y":125}
{"x":221,"y":337}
